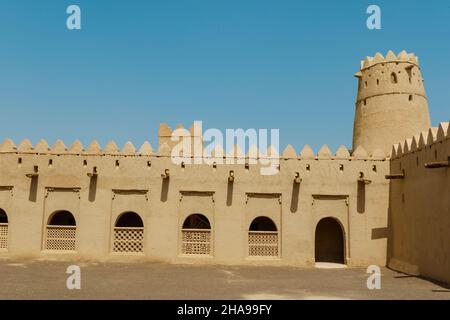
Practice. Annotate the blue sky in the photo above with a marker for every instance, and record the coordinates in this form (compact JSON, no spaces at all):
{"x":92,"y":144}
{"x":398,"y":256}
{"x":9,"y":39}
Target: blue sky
{"x":231,"y":64}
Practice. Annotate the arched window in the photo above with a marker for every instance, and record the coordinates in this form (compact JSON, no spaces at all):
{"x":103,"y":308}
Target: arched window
{"x":62,"y":218}
{"x":263,"y":224}
{"x":393,"y":77}
{"x":129,"y":220}
{"x":128,"y":233}
{"x":3,"y":229}
{"x":263,"y":238}
{"x":61,"y":231}
{"x":196,"y":235}
{"x":196,"y":221}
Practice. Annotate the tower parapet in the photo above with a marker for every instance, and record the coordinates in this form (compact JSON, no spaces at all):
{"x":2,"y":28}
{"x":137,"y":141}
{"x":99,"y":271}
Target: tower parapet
{"x":391,"y":103}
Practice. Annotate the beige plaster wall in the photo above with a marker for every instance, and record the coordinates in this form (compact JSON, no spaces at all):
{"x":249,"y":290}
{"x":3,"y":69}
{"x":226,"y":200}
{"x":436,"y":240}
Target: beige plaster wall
{"x":419,"y":214}
{"x":130,"y":180}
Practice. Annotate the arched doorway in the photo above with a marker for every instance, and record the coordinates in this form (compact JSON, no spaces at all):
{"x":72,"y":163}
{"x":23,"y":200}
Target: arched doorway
{"x":329,"y":241}
{"x":128,"y":233}
{"x":196,"y":235}
{"x":3,"y":229}
{"x":263,"y":238}
{"x":61,"y":231}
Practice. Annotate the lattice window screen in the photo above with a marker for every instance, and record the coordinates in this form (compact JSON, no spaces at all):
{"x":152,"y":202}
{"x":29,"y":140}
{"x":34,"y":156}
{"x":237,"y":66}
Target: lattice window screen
{"x":128,"y":239}
{"x":263,"y":244}
{"x":3,"y":235}
{"x":60,"y":238}
{"x":196,"y":241}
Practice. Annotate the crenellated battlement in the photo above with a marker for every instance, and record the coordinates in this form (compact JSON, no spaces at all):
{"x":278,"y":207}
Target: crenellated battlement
{"x":425,"y":139}
{"x":390,"y":75}
{"x":164,"y":150}
{"x":59,"y":148}
{"x":403,"y":57}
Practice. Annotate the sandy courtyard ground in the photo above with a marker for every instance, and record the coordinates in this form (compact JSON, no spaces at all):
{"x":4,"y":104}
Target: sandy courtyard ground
{"x":33,"y":279}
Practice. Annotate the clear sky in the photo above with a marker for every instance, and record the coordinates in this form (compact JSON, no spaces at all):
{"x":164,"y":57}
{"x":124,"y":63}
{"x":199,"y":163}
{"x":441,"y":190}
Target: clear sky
{"x":230,"y":63}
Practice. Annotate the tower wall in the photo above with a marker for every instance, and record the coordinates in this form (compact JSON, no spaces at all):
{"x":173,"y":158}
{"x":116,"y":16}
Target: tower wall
{"x":391,"y":104}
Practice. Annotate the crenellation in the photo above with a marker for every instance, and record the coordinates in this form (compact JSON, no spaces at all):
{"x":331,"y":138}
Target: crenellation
{"x":432,"y":135}
{"x":111,"y":148}
{"x":164,"y":150}
{"x":407,"y":145}
{"x":146,"y":149}
{"x":378,"y":58}
{"x":236,"y":152}
{"x":128,"y":148}
{"x":218,"y":152}
{"x":391,"y":57}
{"x":252,"y":153}
{"x":289,"y":152}
{"x":94,"y":148}
{"x":342,"y":152}
{"x":447,"y":135}
{"x":403,"y":56}
{"x":415,"y":143}
{"x":443,"y":129}
{"x":164,"y":130}
{"x":324,"y":152}
{"x":271,"y":152}
{"x":394,"y":151}
{"x":423,"y":139}
{"x":76,"y":147}
{"x":399,"y":152}
{"x":360,"y":153}
{"x":7,"y":146}
{"x":25,"y":146}
{"x":42,"y":146}
{"x":59,"y":147}
{"x":307,"y":152}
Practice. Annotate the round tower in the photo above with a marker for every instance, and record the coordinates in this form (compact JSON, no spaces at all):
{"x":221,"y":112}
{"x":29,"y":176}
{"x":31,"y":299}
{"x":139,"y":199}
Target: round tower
{"x":391,"y":104}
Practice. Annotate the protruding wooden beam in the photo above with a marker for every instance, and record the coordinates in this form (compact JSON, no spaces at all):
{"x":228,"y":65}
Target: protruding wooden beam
{"x":166,"y":174}
{"x":395,"y":176}
{"x":94,"y":173}
{"x":297,"y":178}
{"x":34,"y":174}
{"x":362,"y":179}
{"x":231,"y":176}
{"x":437,"y":164}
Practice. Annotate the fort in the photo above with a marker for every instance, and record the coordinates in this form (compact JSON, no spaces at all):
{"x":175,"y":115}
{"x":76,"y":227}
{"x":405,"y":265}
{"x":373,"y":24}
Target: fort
{"x":384,"y":202}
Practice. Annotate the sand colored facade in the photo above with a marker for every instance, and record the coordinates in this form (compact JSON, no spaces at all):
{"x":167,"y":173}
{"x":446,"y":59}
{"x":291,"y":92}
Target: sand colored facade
{"x":131,"y":181}
{"x":110,"y":203}
{"x":420,"y":204}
